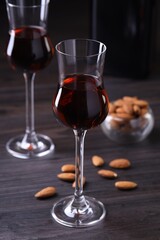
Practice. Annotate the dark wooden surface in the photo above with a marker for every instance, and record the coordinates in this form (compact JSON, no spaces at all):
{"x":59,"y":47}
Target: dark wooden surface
{"x":132,"y":215}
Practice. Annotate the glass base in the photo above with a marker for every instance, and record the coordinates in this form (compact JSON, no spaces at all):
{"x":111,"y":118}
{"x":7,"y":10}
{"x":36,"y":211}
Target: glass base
{"x":67,"y":213}
{"x":21,"y":147}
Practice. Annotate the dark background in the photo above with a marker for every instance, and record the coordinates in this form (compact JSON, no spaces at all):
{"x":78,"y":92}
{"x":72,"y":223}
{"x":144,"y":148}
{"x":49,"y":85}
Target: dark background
{"x":71,"y":19}
{"x":67,"y":19}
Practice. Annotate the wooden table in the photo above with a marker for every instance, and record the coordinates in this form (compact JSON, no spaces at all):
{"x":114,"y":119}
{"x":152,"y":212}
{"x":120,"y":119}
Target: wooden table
{"x":131,"y":215}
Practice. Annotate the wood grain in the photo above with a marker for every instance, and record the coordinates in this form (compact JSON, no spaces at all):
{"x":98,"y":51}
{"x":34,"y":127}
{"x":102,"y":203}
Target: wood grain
{"x":131,"y":214}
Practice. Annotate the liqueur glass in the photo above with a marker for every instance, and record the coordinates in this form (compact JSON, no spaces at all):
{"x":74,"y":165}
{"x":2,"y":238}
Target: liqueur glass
{"x":29,"y":50}
{"x":80,"y":103}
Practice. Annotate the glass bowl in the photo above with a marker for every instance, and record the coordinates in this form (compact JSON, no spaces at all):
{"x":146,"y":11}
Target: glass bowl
{"x":132,"y":127}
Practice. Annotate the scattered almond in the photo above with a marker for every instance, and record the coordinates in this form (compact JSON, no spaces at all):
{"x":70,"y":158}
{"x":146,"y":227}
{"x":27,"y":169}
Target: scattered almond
{"x":68,"y":168}
{"x":70,"y":177}
{"x":126,"y":185}
{"x":107,"y":173}
{"x":120,"y":163}
{"x":46,"y":192}
{"x":74,"y":183}
{"x":97,"y":161}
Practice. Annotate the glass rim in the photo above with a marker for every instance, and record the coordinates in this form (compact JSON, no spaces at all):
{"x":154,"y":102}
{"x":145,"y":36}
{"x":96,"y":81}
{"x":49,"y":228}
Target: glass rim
{"x":27,"y":6}
{"x":81,"y":39}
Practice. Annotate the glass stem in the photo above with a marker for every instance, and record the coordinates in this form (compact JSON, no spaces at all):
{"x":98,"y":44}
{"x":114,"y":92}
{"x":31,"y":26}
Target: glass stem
{"x":29,"y":86}
{"x":79,"y":162}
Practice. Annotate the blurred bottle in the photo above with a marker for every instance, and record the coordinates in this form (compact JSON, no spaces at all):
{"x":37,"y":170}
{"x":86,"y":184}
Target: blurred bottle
{"x":125,"y":27}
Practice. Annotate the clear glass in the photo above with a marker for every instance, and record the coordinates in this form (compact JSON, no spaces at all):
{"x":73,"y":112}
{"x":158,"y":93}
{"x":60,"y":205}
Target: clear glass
{"x":80,"y":103}
{"x":29,"y":50}
{"x":127,"y":131}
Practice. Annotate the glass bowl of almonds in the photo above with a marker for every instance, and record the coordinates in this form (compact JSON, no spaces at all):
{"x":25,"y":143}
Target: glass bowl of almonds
{"x":130,"y":120}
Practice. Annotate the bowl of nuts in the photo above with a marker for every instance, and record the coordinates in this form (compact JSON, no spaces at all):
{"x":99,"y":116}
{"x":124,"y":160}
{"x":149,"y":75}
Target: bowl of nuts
{"x":130,"y":120}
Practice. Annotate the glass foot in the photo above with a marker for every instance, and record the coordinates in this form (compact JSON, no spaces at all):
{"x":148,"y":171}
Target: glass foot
{"x":67,"y":213}
{"x":20,"y":147}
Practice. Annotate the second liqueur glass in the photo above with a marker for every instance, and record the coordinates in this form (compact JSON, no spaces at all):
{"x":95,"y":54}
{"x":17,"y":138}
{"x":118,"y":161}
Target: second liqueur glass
{"x":80,"y":103}
{"x":29,"y":50}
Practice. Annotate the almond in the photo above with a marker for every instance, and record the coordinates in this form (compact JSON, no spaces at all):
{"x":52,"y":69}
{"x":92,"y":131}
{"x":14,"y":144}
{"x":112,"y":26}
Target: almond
{"x":126,"y":185}
{"x":74,"y":183}
{"x":46,"y":192}
{"x":107,"y":173}
{"x":129,"y":99}
{"x":141,"y":103}
{"x":137,"y":110}
{"x":119,"y":110}
{"x":112,"y":107}
{"x":114,"y":115}
{"x":119,"y":103}
{"x":68,"y":168}
{"x":128,"y":108}
{"x":70,"y":177}
{"x":97,"y":161}
{"x":124,"y":115}
{"x":120,"y":163}
{"x":144,"y":111}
